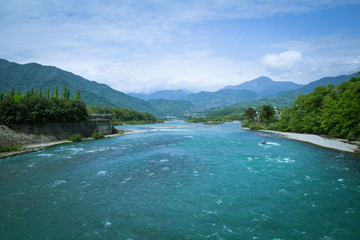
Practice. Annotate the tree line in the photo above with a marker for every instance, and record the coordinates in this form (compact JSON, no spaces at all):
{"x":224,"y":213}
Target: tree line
{"x":39,"y":107}
{"x":326,"y":111}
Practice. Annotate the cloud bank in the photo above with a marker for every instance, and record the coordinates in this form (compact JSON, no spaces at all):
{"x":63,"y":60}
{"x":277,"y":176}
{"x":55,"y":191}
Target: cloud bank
{"x":137,"y":46}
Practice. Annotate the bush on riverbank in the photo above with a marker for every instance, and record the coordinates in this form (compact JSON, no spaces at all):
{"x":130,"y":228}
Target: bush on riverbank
{"x":10,"y":148}
{"x":97,"y":135}
{"x":75,"y":138}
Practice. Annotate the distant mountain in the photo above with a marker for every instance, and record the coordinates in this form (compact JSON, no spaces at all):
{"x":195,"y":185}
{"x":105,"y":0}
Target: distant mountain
{"x":286,"y":99}
{"x":165,"y":94}
{"x":324,"y":82}
{"x":33,"y":75}
{"x":220,"y":98}
{"x":173,"y":107}
{"x":266,"y":86}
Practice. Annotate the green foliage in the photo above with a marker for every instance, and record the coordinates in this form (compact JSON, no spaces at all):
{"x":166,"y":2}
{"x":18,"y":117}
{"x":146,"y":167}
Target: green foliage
{"x":253,"y":126}
{"x":27,"y":76}
{"x":220,"y":98}
{"x":124,"y":115}
{"x":38,"y":108}
{"x":97,"y":135}
{"x":197,"y":120}
{"x":120,"y":131}
{"x":267,"y":114}
{"x":327,"y":110}
{"x":75,"y":138}
{"x":250,"y":114}
{"x":56,"y":92}
{"x":77,"y":95}
{"x":173,"y":107}
{"x":10,"y":148}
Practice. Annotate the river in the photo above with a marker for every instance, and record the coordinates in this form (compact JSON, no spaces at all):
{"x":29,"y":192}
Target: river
{"x":181,"y":181}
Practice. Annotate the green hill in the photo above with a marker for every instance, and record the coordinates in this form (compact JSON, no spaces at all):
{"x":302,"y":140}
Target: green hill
{"x":284,"y":100}
{"x":220,"y":98}
{"x":33,"y":75}
{"x":173,"y":107}
{"x":324,"y":82}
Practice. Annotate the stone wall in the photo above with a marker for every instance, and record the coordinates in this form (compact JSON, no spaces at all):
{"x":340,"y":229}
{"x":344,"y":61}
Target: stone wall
{"x":21,"y":134}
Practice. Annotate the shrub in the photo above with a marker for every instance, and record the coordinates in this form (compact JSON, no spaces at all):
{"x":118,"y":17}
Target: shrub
{"x":75,"y":138}
{"x":10,"y":148}
{"x":97,"y":135}
{"x":121,"y":131}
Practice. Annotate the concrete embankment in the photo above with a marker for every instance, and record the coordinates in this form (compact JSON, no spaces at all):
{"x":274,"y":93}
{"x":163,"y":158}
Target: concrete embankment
{"x":24,"y":134}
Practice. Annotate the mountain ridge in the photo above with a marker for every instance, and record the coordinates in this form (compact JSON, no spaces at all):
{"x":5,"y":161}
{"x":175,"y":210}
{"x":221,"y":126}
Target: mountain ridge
{"x":163,"y":94}
{"x":265,"y":86}
{"x":37,"y":76}
{"x":34,"y":75}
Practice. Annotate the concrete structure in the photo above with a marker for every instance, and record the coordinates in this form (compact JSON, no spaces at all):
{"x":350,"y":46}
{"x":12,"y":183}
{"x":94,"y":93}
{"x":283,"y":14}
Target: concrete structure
{"x":21,"y":134}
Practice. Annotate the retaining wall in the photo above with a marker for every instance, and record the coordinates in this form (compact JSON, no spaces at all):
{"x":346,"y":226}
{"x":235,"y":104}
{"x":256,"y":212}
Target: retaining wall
{"x":21,"y":134}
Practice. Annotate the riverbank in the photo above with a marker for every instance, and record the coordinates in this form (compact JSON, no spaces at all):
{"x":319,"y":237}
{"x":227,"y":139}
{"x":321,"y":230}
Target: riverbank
{"x":40,"y":146}
{"x":332,"y":143}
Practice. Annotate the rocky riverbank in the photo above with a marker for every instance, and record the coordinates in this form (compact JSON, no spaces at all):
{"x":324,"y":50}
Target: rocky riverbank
{"x":333,"y":143}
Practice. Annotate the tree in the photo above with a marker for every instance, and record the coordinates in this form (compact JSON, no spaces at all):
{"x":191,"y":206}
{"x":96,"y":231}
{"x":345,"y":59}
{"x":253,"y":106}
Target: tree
{"x":77,"y":95}
{"x":66,"y":93}
{"x":12,"y":94}
{"x":250,"y":114}
{"x":39,"y":94}
{"x":18,"y":96}
{"x":56,"y":92}
{"x":326,"y":110}
{"x":267,"y":114}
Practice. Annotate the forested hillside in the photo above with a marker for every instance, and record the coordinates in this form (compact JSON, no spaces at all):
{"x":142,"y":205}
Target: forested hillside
{"x":333,"y":111}
{"x":286,"y":99}
{"x":33,"y":75}
{"x":220,"y":98}
{"x":174,"y":108}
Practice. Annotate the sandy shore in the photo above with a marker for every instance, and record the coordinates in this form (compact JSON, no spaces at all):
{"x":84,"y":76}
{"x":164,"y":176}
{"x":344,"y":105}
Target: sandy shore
{"x":132,"y":131}
{"x":333,"y":143}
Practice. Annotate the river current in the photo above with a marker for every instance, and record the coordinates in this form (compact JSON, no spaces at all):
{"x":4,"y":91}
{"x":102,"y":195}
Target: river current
{"x":181,"y":181}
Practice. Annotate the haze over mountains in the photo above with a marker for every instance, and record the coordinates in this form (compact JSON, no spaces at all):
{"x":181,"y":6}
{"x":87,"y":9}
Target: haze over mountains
{"x":161,"y":103}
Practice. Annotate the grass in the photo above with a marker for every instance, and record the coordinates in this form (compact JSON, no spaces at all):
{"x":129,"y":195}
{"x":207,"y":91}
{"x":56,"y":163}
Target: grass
{"x":97,"y":135}
{"x":10,"y":148}
{"x":75,"y":138}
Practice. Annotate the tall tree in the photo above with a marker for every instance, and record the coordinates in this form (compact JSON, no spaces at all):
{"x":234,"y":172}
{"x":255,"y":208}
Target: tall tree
{"x":12,"y":94}
{"x":56,"y":92}
{"x":18,"y":96}
{"x":250,"y":114}
{"x":267,"y":114}
{"x":39,"y":94}
{"x":65,"y":92}
{"x":77,"y":95}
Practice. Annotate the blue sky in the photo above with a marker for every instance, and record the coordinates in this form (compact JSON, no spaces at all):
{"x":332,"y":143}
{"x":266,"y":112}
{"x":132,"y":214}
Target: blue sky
{"x":149,"y":45}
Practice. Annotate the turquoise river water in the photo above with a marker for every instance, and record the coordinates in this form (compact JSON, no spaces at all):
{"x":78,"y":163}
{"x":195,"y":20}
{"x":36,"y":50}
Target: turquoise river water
{"x":181,"y":181}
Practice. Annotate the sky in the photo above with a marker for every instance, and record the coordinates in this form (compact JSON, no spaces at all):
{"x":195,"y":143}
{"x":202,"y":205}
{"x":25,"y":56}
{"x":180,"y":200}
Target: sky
{"x":198,"y":45}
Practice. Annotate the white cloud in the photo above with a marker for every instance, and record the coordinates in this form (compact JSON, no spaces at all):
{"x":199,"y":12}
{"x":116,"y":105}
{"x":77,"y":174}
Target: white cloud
{"x":158,"y":44}
{"x":283,"y":62}
{"x":324,"y":56}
